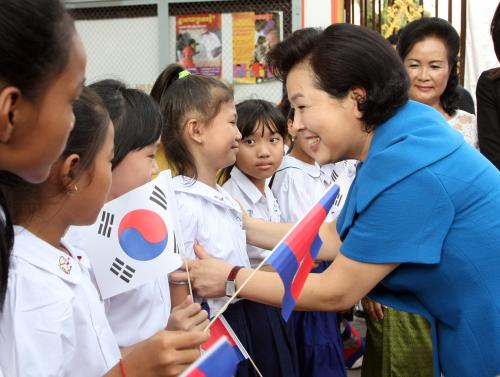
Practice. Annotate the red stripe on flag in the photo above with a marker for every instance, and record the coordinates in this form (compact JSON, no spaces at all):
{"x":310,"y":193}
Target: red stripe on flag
{"x":197,"y":373}
{"x":218,"y":330}
{"x":301,"y":276}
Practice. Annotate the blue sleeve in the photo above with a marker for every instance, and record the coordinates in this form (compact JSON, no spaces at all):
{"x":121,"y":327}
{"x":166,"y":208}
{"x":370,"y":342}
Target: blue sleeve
{"x":406,"y":223}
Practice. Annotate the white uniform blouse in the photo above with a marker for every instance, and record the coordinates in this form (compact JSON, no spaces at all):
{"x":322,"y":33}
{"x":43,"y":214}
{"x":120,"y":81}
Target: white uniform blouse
{"x":53,"y":322}
{"x":214,"y":219}
{"x":258,"y":205}
{"x":137,"y":314}
{"x":297,"y":185}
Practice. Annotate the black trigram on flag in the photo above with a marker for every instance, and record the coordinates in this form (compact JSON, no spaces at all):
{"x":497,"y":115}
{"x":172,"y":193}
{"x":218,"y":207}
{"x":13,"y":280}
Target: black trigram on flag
{"x":106,"y":224}
{"x":334,"y":175}
{"x":338,"y":199}
{"x":158,"y":197}
{"x":122,"y":270}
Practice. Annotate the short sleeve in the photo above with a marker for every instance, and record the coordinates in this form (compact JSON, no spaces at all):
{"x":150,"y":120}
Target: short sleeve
{"x":293,"y":198}
{"x":38,"y":329}
{"x":188,"y":220}
{"x":406,"y":223}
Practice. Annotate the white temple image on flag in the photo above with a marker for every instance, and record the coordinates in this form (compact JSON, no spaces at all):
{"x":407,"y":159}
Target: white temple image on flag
{"x":135,"y":239}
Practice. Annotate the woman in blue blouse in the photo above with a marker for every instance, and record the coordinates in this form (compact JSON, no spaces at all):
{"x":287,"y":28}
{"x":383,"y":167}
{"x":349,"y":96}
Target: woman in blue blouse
{"x":420,"y":230}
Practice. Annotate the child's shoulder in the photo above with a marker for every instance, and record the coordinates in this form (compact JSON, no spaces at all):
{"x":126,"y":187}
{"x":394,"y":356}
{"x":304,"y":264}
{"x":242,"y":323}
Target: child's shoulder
{"x":292,"y":166}
{"x":194,"y":195}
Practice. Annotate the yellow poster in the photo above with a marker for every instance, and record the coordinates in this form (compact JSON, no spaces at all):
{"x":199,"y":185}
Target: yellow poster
{"x":253,"y":36}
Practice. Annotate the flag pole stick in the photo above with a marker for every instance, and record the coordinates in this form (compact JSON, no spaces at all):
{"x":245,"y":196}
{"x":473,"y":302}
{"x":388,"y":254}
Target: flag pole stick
{"x":225,"y":306}
{"x":189,"y":281}
{"x":254,"y":366}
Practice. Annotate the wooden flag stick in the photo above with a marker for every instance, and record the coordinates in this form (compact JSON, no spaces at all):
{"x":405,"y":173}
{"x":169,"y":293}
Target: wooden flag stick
{"x":225,"y":306}
{"x":189,"y":281}
{"x":255,"y":366}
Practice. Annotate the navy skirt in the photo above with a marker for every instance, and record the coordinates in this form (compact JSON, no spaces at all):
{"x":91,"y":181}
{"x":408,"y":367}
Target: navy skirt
{"x":318,"y":341}
{"x":266,"y":337}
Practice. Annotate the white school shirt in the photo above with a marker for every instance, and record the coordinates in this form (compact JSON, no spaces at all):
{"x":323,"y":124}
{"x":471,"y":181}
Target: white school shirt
{"x":258,"y":205}
{"x":214,"y":219}
{"x":342,"y":173}
{"x":137,"y":314}
{"x":297,"y":185}
{"x":53,"y":322}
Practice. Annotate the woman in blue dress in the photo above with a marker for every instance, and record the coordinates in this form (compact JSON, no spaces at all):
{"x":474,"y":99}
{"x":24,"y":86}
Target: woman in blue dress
{"x":420,"y":230}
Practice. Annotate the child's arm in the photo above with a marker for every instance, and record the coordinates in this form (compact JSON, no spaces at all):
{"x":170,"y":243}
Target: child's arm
{"x":266,"y":235}
{"x":178,"y":293}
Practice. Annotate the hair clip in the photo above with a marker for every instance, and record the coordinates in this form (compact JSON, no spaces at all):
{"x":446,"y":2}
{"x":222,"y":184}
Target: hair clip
{"x":184,"y":74}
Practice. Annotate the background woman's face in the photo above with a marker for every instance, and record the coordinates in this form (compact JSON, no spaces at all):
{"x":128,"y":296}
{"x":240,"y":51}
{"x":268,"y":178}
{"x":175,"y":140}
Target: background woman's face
{"x":428,"y":69}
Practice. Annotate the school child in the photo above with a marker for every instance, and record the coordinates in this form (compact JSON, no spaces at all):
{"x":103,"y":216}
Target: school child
{"x":53,"y":322}
{"x":35,"y":98}
{"x":263,"y":130}
{"x":138,"y":314}
{"x":298,"y":183}
{"x":200,"y":137}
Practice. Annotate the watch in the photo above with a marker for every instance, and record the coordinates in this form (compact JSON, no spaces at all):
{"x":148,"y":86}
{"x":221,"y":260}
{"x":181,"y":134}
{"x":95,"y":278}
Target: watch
{"x":231,"y":281}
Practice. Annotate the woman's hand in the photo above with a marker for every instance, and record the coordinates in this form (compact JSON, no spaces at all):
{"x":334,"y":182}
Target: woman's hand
{"x":165,"y":354}
{"x":373,"y":309}
{"x":208,"y":275}
{"x":188,"y":316}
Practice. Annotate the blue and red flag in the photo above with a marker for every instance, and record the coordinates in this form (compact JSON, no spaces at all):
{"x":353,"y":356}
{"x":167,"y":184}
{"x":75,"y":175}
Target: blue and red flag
{"x":219,"y":361}
{"x":293,"y":258}
{"x":220,"y":329}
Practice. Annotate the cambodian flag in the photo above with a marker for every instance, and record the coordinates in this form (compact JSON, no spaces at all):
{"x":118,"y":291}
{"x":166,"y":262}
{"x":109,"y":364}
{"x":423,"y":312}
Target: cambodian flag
{"x":219,"y":361}
{"x":293,"y":258}
{"x":220,"y":329}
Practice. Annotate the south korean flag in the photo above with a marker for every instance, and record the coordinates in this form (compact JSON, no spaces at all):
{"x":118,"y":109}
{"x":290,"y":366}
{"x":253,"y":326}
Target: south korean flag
{"x":135,"y":239}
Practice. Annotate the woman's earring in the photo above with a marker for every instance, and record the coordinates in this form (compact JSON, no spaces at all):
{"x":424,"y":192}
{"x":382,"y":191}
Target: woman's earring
{"x":72,"y":191}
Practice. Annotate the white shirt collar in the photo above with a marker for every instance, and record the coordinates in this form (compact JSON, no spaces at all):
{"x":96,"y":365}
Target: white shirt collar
{"x":41,"y":254}
{"x":314,"y":170}
{"x":247,"y":186}
{"x":216,"y":195}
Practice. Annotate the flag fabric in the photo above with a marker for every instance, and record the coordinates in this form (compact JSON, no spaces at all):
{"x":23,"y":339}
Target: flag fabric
{"x":220,"y":329}
{"x":135,"y":239}
{"x":293,"y":258}
{"x":219,"y":361}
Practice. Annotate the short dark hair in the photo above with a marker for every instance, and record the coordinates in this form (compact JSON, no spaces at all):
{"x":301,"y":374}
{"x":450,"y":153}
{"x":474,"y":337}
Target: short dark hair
{"x":86,"y":140}
{"x":252,"y":113}
{"x":136,"y":117}
{"x":418,"y":30}
{"x":342,"y":57}
{"x":201,"y":95}
{"x":35,"y":35}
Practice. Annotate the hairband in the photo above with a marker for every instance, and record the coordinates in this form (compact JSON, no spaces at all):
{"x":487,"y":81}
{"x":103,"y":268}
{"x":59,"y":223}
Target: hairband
{"x":184,"y":74}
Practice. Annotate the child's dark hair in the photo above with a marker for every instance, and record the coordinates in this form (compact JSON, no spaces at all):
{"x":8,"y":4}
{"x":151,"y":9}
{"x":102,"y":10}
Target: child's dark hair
{"x":495,"y":36}
{"x":251,"y":114}
{"x":85,"y":140}
{"x":418,"y":30}
{"x":191,"y":96}
{"x":34,"y":31}
{"x":135,"y":115}
{"x":34,"y":41}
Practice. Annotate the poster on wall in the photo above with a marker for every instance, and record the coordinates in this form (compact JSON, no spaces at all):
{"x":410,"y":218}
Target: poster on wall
{"x":254,"y":34}
{"x":198,"y":43}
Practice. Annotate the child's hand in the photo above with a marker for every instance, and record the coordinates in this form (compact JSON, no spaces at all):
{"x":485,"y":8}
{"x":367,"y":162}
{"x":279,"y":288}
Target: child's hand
{"x":188,"y":316}
{"x":165,"y":354}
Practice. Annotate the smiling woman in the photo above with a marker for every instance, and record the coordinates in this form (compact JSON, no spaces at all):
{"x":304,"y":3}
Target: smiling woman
{"x":429,"y":49}
{"x":420,"y":227}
